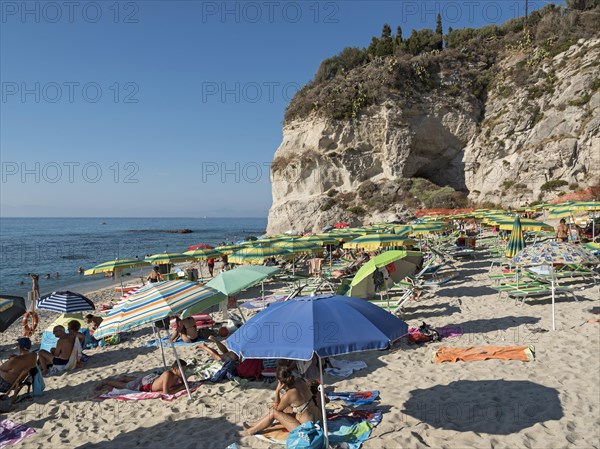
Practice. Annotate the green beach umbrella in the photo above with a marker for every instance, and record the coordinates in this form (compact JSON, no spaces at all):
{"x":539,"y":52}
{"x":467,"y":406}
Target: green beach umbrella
{"x":428,"y":228}
{"x":229,"y":249}
{"x":167,"y":258}
{"x":298,"y":246}
{"x":232,"y":282}
{"x":204,"y":253}
{"x":398,"y":265}
{"x":114,"y":265}
{"x":258,"y":254}
{"x":516,"y":242}
{"x":375,"y":241}
{"x":527,"y":224}
{"x":323,"y":239}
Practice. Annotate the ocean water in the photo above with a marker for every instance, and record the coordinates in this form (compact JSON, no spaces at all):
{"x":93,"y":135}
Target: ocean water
{"x":50,"y":245}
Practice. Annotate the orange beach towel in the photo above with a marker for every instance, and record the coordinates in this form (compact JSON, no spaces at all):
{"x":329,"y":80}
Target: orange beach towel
{"x":447,"y":354}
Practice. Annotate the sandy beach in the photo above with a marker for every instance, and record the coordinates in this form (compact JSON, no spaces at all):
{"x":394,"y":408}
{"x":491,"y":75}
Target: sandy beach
{"x":550,"y":402}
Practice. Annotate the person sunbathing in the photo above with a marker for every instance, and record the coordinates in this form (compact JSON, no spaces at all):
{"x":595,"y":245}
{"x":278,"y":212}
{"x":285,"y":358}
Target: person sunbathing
{"x":59,"y":356}
{"x":223,"y":355}
{"x":16,"y":364}
{"x":186,"y":329}
{"x":169,"y":382}
{"x":294,"y":404}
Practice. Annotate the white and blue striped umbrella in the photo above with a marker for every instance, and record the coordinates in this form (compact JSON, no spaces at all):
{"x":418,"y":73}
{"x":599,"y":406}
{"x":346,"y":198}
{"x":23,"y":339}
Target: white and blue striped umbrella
{"x":65,"y":302}
{"x":155,"y":302}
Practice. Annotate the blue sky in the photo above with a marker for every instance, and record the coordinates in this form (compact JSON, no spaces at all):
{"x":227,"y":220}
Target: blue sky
{"x":156,"y":108}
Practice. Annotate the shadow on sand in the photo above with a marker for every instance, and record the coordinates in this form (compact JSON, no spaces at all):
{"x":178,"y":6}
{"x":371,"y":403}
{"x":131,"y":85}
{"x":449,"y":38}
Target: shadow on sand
{"x":498,"y":407}
{"x":186,"y":433}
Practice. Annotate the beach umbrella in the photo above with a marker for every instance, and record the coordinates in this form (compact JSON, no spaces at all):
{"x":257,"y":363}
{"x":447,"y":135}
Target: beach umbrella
{"x":550,"y":253}
{"x":428,"y":228}
{"x":323,"y":325}
{"x":257,"y":255}
{"x":341,"y":224}
{"x":344,"y":236}
{"x":568,"y":209}
{"x":65,"y":302}
{"x":506,"y":223}
{"x":397,"y":265}
{"x":375,"y":241}
{"x":203,"y":253}
{"x":11,"y":309}
{"x":516,"y":242}
{"x":232,"y":282}
{"x":200,"y":246}
{"x":168,"y":258}
{"x":155,"y":302}
{"x":298,"y":246}
{"x":331,"y":238}
{"x":115,"y":265}
{"x":229,"y":249}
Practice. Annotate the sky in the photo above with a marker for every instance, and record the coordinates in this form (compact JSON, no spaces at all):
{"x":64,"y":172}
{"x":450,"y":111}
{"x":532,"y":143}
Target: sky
{"x":171,"y":108}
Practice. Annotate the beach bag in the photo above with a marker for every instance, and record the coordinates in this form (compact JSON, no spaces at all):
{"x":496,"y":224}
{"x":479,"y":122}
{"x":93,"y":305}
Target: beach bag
{"x":250,"y":368}
{"x":309,"y":435}
{"x":227,"y":371}
{"x":38,"y":386}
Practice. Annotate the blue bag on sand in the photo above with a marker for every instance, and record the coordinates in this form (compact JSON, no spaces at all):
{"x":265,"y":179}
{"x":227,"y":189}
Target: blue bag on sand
{"x":38,"y":385}
{"x":306,"y":436}
{"x":226,"y":372}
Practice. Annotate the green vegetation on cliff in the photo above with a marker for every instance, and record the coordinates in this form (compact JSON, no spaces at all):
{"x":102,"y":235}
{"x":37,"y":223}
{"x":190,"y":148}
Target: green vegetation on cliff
{"x":460,"y":62}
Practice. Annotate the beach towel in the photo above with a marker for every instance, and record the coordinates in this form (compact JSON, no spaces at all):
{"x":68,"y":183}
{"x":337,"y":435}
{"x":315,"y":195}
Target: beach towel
{"x":355,"y":397}
{"x":308,"y":435}
{"x":447,"y":354}
{"x":11,"y":432}
{"x":450,"y":331}
{"x":74,"y":359}
{"x":132,"y":395}
{"x":165,"y":340}
{"x":344,"y":368}
{"x":349,"y":429}
{"x":206,"y":370}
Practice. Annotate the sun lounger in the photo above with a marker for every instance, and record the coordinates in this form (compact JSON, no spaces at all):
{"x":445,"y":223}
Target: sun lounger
{"x":441,"y":279}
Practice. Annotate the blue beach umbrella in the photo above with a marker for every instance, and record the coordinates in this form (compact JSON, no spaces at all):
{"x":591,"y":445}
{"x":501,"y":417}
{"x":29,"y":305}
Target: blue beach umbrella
{"x":325,"y":325}
{"x":65,"y":302}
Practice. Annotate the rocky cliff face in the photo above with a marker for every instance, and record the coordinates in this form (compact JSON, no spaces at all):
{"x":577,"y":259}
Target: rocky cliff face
{"x":502,"y":148}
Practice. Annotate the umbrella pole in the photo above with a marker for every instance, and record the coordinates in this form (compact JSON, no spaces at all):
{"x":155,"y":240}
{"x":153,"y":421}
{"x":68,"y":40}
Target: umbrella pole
{"x":322,"y":393}
{"x":162,"y":350}
{"x":553,"y":319}
{"x":181,"y":371}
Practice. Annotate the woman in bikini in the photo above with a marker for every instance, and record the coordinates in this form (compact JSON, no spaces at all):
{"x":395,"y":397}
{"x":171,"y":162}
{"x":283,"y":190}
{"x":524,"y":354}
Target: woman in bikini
{"x":294,"y":404}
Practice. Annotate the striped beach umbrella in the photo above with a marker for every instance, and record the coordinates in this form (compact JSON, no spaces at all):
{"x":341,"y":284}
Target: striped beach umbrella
{"x":506,"y":223}
{"x":168,"y":258}
{"x":376,"y":241}
{"x":115,"y":265}
{"x":155,"y":302}
{"x":65,"y":302}
{"x":323,"y":239}
{"x":299,"y":247}
{"x":516,"y":242}
{"x":203,"y":253}
{"x":428,"y":228}
{"x":258,"y":254}
{"x":229,"y":249}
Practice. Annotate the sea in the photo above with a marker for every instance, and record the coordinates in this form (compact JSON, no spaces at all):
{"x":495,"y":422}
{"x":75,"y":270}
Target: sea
{"x":50,"y":245}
